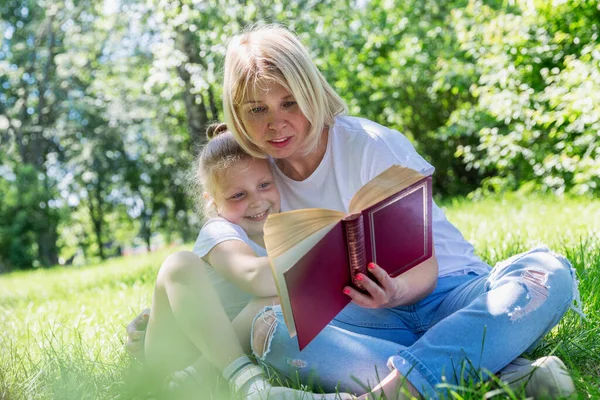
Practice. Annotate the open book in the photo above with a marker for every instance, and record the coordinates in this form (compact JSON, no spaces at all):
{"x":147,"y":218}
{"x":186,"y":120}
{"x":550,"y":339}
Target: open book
{"x":315,"y":252}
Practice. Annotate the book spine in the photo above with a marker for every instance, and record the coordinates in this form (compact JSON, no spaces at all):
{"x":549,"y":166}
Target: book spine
{"x":355,"y":241}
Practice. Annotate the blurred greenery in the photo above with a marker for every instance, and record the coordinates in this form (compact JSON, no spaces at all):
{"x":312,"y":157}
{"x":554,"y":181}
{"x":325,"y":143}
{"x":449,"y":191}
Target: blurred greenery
{"x":103,"y":103}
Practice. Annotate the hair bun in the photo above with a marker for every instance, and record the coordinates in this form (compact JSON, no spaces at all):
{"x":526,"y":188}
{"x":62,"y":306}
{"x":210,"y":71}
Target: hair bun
{"x":215,"y":129}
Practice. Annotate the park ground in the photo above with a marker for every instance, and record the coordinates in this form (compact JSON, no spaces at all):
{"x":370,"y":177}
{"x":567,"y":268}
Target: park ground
{"x":63,"y":329}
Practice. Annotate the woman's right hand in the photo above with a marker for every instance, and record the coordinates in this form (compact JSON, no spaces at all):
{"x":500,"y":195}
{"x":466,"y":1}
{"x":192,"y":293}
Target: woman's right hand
{"x":136,"y":333}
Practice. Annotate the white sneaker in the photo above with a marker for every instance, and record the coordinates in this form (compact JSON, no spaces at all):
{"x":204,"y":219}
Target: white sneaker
{"x":546,"y":377}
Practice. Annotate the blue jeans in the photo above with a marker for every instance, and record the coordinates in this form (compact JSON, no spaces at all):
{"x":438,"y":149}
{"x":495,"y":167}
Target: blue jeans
{"x":469,"y":327}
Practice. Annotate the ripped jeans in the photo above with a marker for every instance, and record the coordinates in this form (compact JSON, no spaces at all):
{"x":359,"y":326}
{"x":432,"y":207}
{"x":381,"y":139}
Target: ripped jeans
{"x":471,"y":326}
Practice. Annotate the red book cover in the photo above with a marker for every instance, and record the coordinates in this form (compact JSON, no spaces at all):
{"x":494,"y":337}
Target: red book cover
{"x":397,"y":237}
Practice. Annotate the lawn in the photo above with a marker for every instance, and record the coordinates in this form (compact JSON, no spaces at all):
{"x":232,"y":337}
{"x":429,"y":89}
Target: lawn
{"x":62,"y":330}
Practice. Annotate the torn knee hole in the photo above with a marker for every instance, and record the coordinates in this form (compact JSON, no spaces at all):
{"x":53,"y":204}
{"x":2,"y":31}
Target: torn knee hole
{"x":263,"y":329}
{"x":534,"y":282}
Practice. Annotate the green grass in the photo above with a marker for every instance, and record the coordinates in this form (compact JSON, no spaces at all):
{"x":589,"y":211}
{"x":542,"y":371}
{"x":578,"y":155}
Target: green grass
{"x":62,"y":330}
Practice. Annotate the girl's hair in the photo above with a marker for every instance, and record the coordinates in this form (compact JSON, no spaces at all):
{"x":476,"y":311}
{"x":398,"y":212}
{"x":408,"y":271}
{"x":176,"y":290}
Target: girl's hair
{"x":274,"y":53}
{"x":221,"y":151}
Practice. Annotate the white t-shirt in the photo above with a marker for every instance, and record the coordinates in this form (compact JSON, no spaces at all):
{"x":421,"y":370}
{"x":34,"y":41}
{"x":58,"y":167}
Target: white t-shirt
{"x":357,"y":151}
{"x":215,"y":231}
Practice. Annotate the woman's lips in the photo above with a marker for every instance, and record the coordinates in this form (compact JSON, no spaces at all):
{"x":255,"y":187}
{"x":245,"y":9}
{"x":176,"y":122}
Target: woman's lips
{"x":281,"y":142}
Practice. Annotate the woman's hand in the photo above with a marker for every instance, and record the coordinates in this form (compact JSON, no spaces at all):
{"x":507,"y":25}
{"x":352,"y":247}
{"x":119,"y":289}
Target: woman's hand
{"x":386,"y":292}
{"x":136,"y":333}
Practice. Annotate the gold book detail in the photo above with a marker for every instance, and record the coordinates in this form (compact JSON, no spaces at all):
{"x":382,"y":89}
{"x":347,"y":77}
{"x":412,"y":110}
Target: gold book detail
{"x":354,"y":228}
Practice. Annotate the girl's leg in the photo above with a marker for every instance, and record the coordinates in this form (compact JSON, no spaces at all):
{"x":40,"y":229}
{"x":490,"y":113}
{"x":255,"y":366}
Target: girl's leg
{"x":185,"y":299}
{"x":187,"y":319}
{"x":187,"y":314}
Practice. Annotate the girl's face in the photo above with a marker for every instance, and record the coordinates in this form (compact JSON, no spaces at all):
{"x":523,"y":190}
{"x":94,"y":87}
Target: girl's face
{"x":274,"y":121}
{"x":246,"y":195}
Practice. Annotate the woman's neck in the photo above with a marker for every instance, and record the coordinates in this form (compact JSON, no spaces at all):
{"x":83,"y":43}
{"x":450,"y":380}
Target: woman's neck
{"x":302,"y":166}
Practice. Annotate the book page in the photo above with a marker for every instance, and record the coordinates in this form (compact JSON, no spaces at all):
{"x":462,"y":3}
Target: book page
{"x":285,"y":230}
{"x":389,"y":182}
{"x":283,"y":262}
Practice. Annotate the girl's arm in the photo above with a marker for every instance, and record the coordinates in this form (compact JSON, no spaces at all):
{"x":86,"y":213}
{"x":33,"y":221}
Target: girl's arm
{"x":239,"y":264}
{"x":407,"y":288}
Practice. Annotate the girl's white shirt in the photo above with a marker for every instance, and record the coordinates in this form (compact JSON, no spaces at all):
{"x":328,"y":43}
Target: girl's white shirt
{"x":213,"y":232}
{"x":357,"y":151}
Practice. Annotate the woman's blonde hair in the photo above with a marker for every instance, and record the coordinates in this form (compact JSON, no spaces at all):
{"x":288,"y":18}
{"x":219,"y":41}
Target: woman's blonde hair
{"x":221,"y":151}
{"x":274,"y":53}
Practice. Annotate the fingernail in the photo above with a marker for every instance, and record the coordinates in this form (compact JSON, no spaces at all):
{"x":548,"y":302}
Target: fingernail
{"x":346,"y":291}
{"x":371,"y":266}
{"x":359,"y":277}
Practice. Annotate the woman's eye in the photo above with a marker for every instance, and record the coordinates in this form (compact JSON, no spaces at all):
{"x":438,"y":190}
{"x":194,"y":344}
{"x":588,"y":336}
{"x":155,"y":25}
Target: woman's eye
{"x":289,"y":104}
{"x":256,"y":110}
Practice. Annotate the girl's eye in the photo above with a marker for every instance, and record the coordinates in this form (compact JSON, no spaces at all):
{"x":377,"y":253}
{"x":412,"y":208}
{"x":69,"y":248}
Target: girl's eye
{"x":289,"y":104}
{"x":264,"y":185}
{"x":236,"y":196}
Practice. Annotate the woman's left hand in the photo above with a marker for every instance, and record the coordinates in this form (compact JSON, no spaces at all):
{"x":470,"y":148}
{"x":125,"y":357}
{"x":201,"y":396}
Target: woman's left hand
{"x":386,"y":292}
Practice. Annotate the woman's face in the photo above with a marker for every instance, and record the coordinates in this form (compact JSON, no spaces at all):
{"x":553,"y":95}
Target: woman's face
{"x":274,"y":121}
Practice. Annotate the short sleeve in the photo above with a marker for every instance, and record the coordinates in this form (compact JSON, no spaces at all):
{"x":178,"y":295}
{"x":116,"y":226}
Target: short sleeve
{"x":392,"y":147}
{"x":215,"y":231}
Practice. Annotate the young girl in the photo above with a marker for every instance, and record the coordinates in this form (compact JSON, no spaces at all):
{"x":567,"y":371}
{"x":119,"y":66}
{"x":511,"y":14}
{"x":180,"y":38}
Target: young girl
{"x":226,"y":277}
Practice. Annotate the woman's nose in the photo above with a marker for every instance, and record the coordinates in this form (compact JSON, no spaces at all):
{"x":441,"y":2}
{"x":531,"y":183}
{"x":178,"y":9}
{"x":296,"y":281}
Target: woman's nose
{"x":277,"y":122}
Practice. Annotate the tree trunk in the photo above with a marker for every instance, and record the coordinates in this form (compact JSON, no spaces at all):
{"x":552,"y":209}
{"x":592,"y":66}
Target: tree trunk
{"x":97,"y":216}
{"x":195,"y":107}
{"x":33,"y":145}
{"x":213,"y":105}
{"x":47,"y":249}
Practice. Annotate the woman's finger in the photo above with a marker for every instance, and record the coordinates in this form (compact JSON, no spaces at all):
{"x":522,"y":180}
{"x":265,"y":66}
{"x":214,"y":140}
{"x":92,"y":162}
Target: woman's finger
{"x":383,"y":278}
{"x":374,"y":290}
{"x":359,"y":298}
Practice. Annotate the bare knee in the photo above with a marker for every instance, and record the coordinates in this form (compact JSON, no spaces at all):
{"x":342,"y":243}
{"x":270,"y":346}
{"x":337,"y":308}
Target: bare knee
{"x":262,"y":331}
{"x":181,"y":267}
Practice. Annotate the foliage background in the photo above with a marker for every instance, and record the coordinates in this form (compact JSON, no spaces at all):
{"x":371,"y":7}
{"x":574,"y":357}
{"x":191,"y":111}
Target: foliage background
{"x":103,"y":104}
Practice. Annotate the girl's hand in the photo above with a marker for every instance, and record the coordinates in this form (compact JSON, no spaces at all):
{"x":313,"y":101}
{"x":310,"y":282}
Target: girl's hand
{"x":136,"y":333}
{"x":387,"y":292}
